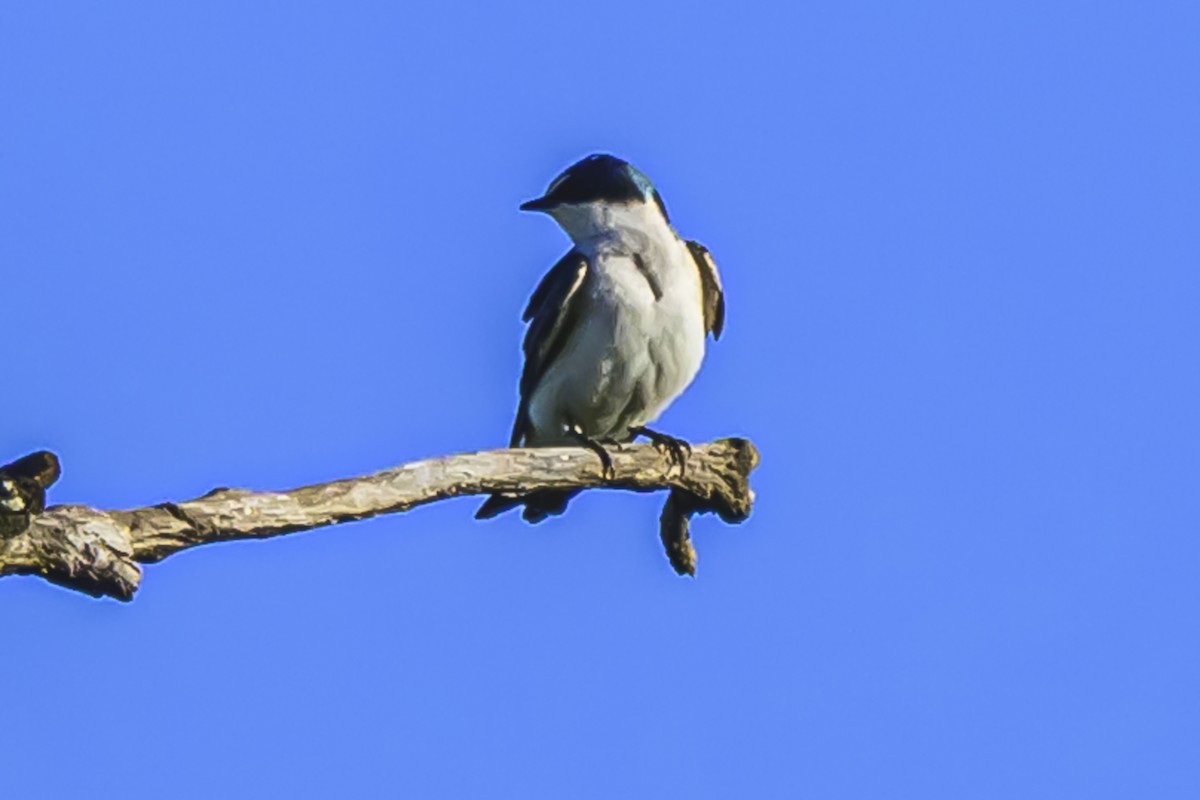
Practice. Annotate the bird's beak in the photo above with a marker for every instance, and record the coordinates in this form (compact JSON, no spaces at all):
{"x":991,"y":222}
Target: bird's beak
{"x":540,"y":204}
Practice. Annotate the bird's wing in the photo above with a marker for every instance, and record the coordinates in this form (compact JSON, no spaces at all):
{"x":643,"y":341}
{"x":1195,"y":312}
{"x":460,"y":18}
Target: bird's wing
{"x":710,"y":289}
{"x":552,"y":313}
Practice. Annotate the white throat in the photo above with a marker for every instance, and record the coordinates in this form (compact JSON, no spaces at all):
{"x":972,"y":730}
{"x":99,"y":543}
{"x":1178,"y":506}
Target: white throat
{"x":635,"y":221}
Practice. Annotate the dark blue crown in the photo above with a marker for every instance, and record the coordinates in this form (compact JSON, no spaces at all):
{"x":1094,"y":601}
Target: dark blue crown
{"x":597,"y":177}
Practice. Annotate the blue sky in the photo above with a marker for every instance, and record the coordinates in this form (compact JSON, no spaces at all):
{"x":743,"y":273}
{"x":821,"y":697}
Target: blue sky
{"x":264,"y":244}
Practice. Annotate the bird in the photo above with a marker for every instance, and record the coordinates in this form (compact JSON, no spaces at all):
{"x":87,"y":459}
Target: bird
{"x":23,"y":485}
{"x":617,"y":327}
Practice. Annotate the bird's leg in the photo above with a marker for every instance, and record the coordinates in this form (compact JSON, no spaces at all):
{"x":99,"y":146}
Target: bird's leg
{"x":576,"y":433}
{"x":677,"y":449}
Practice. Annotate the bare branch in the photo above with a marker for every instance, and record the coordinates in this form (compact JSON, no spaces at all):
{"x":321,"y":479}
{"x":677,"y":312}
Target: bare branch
{"x":98,"y":552}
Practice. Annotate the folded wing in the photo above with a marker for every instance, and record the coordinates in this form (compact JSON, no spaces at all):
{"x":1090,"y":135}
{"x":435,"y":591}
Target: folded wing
{"x":712,"y":294}
{"x":551,"y":313}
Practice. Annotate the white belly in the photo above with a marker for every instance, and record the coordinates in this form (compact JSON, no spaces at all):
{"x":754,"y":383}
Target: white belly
{"x":629,"y":357}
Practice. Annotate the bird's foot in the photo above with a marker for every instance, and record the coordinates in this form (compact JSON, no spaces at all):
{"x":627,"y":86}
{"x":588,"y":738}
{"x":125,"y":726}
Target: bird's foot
{"x":607,"y":469}
{"x":675,"y":449}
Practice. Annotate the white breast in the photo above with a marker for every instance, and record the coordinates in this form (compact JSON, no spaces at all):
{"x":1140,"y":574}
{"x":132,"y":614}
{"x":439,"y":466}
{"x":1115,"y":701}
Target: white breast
{"x":633,"y":352}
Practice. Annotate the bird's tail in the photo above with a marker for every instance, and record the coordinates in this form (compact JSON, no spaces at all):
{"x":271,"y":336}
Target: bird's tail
{"x":538,"y":505}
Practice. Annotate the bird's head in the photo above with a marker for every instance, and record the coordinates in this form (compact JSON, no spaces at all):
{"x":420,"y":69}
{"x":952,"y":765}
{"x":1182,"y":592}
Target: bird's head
{"x":588,"y":191}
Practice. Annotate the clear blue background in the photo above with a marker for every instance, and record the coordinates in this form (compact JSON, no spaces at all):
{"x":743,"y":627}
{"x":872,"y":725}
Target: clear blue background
{"x":264,"y":244}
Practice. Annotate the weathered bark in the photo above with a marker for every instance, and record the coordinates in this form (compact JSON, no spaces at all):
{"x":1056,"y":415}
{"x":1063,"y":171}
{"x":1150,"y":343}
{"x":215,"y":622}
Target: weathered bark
{"x":98,"y":552}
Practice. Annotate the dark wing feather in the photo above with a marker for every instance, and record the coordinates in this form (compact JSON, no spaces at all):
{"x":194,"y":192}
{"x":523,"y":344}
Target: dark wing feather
{"x":551,"y":313}
{"x":710,"y":288}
